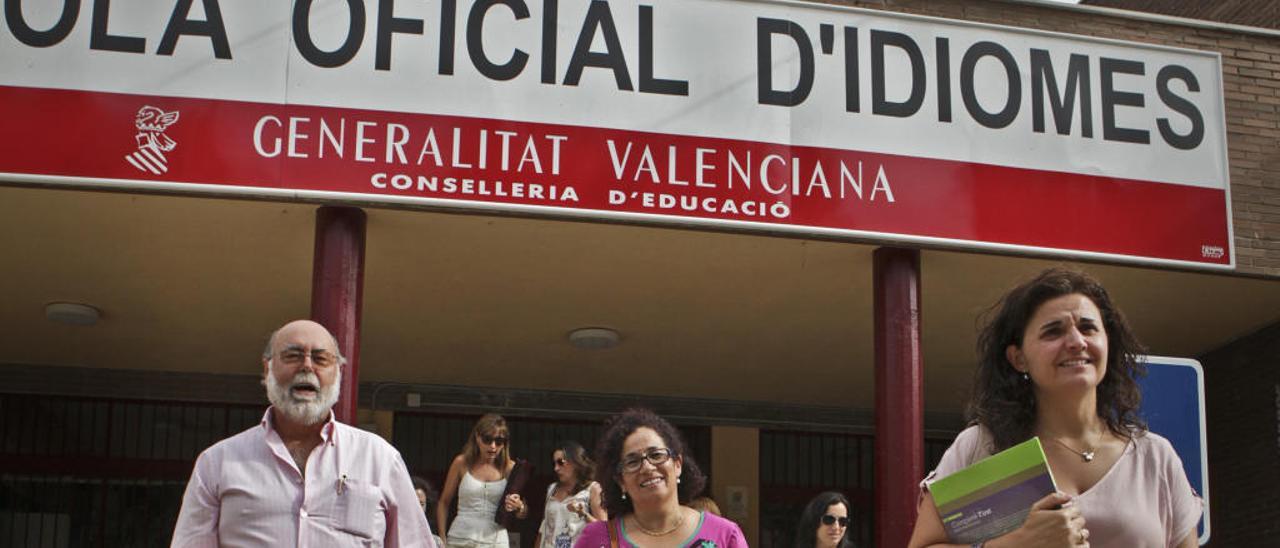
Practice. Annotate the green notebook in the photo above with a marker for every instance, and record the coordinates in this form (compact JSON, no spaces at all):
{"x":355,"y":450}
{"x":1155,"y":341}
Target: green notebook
{"x":994,"y":495}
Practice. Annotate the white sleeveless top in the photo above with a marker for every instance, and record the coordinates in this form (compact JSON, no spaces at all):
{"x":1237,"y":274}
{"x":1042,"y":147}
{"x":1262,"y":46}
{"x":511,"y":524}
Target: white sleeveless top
{"x":560,"y":527}
{"x":477,"y":503}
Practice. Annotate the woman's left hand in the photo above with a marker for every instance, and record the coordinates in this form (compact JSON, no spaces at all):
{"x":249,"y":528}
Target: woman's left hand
{"x":514,"y":503}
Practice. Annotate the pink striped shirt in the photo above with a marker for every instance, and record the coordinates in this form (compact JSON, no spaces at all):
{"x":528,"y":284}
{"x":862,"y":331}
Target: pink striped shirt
{"x":247,"y":491}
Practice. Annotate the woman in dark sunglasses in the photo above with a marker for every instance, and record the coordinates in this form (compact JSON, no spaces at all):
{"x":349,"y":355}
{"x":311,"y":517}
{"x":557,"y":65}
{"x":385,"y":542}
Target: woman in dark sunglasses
{"x":648,"y":478}
{"x":478,"y":476}
{"x":573,"y":500}
{"x":824,"y":523}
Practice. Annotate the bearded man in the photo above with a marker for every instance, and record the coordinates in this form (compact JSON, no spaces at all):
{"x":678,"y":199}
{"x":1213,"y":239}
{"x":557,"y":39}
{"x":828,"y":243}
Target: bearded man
{"x":301,"y":478}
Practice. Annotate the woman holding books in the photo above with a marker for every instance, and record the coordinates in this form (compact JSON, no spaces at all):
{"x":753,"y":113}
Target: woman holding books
{"x":1057,"y":361}
{"x":478,"y":476}
{"x":648,"y":478}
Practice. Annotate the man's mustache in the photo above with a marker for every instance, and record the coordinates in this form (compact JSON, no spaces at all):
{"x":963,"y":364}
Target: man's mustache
{"x":305,"y":378}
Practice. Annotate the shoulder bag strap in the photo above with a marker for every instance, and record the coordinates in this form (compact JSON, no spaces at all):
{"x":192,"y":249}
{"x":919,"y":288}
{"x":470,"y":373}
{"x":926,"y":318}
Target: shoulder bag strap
{"x":613,"y":533}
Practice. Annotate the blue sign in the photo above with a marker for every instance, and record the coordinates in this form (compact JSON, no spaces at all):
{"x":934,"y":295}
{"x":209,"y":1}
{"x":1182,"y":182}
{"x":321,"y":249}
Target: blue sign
{"x":1173,"y":406}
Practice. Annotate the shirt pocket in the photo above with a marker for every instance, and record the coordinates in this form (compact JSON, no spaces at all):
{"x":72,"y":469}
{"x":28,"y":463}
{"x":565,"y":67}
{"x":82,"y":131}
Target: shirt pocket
{"x":358,"y":510}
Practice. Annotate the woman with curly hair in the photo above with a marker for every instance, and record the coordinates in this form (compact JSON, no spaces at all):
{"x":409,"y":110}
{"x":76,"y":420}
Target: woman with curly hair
{"x":824,"y":522}
{"x":648,"y":477}
{"x":1057,"y":360}
{"x":573,"y":500}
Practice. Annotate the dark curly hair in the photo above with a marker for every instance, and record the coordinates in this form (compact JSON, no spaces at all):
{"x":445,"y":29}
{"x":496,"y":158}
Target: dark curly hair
{"x":807,"y":529}
{"x":1006,"y":404}
{"x":609,"y":456}
{"x":583,"y":467}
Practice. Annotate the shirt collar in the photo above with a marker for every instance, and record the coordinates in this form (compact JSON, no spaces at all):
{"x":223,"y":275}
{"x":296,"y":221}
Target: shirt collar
{"x":326,"y":433}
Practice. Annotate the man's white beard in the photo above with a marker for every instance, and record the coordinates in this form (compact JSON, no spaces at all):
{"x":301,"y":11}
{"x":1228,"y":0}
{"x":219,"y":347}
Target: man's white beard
{"x":303,"y":411}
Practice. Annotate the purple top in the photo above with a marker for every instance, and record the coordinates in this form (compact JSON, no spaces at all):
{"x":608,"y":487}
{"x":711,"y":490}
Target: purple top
{"x":713,"y":532}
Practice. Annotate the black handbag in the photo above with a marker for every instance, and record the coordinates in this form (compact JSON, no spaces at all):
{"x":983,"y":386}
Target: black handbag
{"x":516,"y":481}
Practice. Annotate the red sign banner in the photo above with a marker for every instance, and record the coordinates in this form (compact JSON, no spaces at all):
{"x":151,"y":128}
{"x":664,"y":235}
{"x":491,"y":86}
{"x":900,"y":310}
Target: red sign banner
{"x":759,"y":115}
{"x":379,"y":157}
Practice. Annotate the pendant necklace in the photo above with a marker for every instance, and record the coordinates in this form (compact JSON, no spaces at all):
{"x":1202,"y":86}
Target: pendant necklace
{"x":1087,"y":456}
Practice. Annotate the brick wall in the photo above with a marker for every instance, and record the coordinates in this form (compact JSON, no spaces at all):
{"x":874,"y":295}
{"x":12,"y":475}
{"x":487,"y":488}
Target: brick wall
{"x":1242,"y":392}
{"x":1242,"y":379}
{"x":1254,"y":13}
{"x":1251,"y":81}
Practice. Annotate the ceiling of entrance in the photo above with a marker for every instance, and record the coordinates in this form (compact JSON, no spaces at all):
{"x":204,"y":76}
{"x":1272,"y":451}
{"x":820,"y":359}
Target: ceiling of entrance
{"x":195,"y":284}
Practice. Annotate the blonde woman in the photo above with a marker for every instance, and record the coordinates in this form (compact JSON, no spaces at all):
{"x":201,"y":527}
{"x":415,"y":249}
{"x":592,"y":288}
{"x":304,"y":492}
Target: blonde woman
{"x":477,"y":477}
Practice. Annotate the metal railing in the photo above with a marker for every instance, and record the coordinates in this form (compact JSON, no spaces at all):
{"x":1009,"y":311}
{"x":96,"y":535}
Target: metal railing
{"x":101,"y":472}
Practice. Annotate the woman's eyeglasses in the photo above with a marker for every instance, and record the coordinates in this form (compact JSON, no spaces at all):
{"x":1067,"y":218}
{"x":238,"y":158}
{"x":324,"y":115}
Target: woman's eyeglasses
{"x":491,"y":439}
{"x":830,"y":519}
{"x":655,"y":456}
{"x":561,"y":462}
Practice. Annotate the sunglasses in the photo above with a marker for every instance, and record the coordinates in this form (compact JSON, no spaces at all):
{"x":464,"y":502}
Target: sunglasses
{"x":830,"y":520}
{"x":488,"y":439}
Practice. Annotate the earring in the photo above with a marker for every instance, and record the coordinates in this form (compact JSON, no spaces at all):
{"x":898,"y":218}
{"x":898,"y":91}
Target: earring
{"x":677,"y":479}
{"x":624,"y":495}
{"x":1025,"y":376}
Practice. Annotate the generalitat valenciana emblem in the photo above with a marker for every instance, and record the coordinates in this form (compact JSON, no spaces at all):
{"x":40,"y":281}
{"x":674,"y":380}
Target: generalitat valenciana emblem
{"x":152,"y":142}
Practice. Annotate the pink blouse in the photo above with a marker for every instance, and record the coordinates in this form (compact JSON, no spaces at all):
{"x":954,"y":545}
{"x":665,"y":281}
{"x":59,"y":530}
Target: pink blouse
{"x":1145,"y":499}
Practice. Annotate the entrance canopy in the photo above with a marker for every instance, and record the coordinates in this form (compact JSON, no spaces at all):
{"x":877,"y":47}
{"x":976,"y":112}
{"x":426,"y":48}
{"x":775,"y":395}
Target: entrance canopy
{"x":195,"y":285}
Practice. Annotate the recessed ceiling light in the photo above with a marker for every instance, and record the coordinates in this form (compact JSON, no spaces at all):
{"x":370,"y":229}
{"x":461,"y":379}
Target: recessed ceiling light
{"x":594,"y":338}
{"x":72,"y":313}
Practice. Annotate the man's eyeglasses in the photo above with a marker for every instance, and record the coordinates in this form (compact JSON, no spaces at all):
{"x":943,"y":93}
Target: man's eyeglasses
{"x":319,"y":357}
{"x":829,"y":519}
{"x":655,"y":456}
{"x":488,"y":439}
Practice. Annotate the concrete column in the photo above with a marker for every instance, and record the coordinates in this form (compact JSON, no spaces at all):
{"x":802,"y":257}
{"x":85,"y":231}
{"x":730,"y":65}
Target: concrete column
{"x":735,"y":456}
{"x":337,"y":284}
{"x":899,"y":446}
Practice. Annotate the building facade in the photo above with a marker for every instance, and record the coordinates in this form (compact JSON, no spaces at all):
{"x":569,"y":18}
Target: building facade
{"x":758,"y":338}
